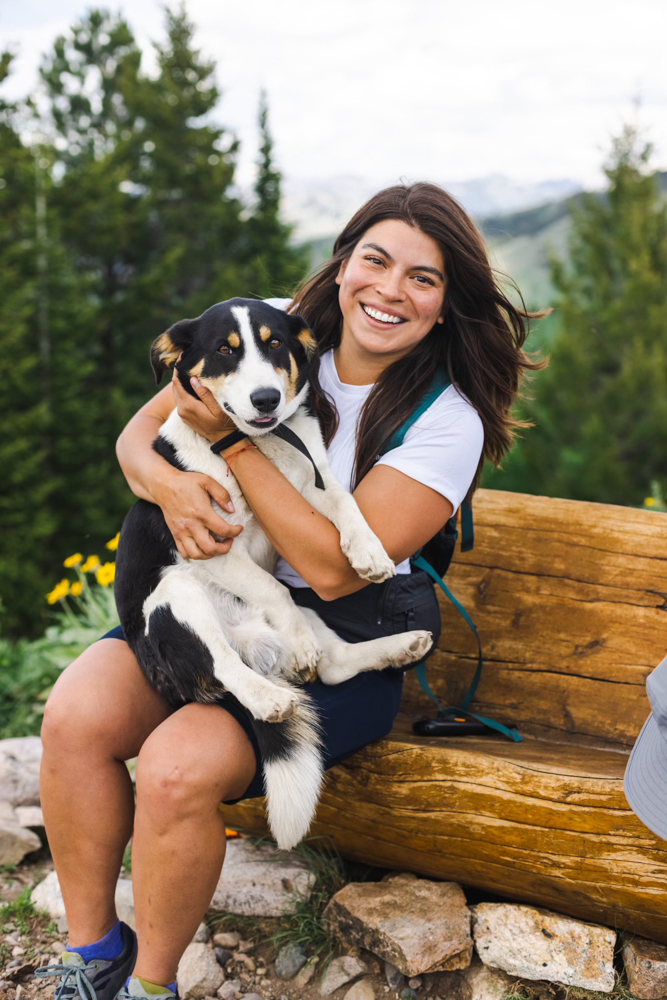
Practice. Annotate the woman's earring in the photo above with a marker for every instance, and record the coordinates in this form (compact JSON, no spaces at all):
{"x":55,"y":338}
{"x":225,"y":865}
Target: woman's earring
{"x":441,"y":319}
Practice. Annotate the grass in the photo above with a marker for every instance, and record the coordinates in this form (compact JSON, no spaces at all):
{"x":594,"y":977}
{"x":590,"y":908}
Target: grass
{"x":525,"y":990}
{"x":304,"y":925}
{"x":21,"y":912}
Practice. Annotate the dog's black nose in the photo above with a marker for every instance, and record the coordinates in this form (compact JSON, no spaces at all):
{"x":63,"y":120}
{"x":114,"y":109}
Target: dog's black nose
{"x":265,"y":400}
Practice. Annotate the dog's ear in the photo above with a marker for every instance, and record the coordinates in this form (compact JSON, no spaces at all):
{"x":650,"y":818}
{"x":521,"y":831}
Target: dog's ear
{"x":169,"y":345}
{"x":300,"y":329}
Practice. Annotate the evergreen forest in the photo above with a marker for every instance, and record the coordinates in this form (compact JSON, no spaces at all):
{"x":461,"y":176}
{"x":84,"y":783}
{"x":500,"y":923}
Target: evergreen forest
{"x":118,"y":215}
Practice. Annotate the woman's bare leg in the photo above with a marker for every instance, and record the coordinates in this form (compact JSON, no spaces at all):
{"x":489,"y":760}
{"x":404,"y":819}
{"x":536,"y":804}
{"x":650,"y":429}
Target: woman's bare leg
{"x":99,"y":714}
{"x":197,"y":758}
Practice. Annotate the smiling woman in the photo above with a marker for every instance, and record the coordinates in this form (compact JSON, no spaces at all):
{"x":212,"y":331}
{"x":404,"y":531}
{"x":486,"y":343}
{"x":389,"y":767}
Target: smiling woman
{"x":407,"y":302}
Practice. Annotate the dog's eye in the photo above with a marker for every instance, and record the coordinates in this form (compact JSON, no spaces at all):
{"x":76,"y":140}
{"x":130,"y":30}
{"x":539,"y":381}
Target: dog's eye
{"x":225,"y":349}
{"x":274,"y":343}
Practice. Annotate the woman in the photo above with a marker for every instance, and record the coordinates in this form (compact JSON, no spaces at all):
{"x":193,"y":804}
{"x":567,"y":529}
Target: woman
{"x":408,"y":291}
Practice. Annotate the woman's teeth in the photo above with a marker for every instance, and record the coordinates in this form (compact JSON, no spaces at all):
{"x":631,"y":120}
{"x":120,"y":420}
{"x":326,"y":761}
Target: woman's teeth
{"x":382,"y":317}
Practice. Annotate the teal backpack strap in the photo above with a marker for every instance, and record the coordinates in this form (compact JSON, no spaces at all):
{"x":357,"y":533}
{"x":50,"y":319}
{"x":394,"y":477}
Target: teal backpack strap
{"x":438,"y":386}
{"x":467,"y":527}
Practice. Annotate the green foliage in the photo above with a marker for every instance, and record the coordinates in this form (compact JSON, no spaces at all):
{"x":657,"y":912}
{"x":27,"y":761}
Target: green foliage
{"x":20,"y":911}
{"x":600,"y":409}
{"x":30,"y":668}
{"x":119,"y":219}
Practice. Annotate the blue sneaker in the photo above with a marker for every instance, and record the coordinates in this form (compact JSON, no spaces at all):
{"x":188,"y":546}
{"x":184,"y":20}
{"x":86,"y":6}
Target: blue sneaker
{"x":98,"y":979}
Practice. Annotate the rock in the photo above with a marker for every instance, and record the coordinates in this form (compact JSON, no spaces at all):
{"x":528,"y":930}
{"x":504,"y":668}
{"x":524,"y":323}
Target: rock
{"x":246,"y":946}
{"x":222,"y":956}
{"x":229,"y":989}
{"x":261,"y":881}
{"x":20,"y":760}
{"x":415,"y":983}
{"x":252,"y":996}
{"x":303,"y":977}
{"x":341,"y":971}
{"x":48,"y":897}
{"x":395,"y":978}
{"x":15,"y":840}
{"x":125,"y":902}
{"x":249,"y":963}
{"x":417,"y":925}
{"x":226,"y":939}
{"x":403,"y":876}
{"x":198,"y":972}
{"x":646,"y":966}
{"x":289,"y":960}
{"x":486,"y":983}
{"x":30,"y":816}
{"x":202,"y":934}
{"x":536,"y":944}
{"x":363,"y":990}
{"x":408,"y":994}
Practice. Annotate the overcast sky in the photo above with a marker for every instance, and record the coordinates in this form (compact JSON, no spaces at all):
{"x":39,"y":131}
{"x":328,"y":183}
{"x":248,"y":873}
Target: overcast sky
{"x":429,"y":89}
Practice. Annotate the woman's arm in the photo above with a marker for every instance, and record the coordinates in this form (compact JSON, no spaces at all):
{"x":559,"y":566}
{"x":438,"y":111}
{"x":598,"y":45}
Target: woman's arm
{"x":185,"y":497}
{"x":402,"y":512}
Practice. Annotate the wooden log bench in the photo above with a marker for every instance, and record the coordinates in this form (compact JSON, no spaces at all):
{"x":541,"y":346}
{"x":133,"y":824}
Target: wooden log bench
{"x":570,"y":600}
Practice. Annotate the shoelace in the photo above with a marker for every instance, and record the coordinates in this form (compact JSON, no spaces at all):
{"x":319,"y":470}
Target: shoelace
{"x":81,"y":982}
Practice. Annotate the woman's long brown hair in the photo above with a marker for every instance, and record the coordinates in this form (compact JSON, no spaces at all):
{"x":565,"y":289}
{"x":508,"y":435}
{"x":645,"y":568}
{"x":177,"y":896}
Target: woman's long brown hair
{"x":479,"y":344}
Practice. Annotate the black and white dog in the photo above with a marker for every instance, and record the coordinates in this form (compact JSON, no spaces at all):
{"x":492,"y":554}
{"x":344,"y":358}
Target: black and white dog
{"x":225,"y":627}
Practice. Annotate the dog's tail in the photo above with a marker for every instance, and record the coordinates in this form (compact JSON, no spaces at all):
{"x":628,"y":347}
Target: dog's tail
{"x":292,"y":771}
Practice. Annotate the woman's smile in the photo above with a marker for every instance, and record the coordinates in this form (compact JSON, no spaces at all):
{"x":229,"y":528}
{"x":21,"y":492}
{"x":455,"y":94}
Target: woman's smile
{"x":392,"y":290}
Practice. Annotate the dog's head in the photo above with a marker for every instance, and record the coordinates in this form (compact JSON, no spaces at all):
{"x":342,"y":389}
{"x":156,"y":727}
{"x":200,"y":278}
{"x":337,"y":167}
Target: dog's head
{"x":252,"y":357}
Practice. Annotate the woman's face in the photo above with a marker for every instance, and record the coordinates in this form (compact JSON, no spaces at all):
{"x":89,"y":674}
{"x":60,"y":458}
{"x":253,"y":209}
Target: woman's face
{"x":392,"y":289}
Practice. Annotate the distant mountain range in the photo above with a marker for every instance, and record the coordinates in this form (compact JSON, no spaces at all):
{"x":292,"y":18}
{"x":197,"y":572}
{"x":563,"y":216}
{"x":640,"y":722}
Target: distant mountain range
{"x":319,"y":209}
{"x":523,"y":224}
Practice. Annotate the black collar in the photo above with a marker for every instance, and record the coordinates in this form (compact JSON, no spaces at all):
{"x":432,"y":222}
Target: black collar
{"x":281,"y":431}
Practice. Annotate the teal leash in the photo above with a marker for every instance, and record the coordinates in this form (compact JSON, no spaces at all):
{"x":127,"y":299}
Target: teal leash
{"x":420,"y":670}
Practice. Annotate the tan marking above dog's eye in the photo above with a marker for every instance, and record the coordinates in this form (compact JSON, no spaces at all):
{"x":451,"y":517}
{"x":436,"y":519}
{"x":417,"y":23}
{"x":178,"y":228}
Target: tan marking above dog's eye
{"x":234,"y":340}
{"x":274,"y":343}
{"x":265,"y":333}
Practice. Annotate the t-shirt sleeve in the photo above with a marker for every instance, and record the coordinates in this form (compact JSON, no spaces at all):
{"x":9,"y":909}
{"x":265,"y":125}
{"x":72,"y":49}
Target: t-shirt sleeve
{"x":443,"y":447}
{"x":278,"y":303}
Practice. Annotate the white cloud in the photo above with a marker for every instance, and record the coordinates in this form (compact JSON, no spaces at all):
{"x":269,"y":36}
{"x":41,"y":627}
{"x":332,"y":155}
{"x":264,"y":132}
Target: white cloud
{"x":432,"y":89}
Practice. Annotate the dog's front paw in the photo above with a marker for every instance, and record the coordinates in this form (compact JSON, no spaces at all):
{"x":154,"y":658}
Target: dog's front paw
{"x":367,"y":557}
{"x":275,"y":704}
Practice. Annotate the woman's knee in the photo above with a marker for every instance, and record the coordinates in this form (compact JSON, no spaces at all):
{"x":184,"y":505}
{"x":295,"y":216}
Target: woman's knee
{"x":74,"y":716}
{"x":185,"y":770}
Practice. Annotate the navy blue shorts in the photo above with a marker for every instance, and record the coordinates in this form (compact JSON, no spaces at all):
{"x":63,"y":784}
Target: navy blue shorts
{"x":363,"y":709}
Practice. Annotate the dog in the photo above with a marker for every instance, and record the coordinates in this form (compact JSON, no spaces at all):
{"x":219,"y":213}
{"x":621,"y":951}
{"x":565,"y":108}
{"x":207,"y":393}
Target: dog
{"x":226,"y":628}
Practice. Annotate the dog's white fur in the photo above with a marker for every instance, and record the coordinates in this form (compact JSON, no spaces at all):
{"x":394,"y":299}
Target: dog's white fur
{"x":267,"y":631}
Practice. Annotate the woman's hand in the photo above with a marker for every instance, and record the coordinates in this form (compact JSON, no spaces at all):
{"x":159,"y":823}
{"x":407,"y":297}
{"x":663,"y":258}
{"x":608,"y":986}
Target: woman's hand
{"x":205,"y":417}
{"x":185,"y":499}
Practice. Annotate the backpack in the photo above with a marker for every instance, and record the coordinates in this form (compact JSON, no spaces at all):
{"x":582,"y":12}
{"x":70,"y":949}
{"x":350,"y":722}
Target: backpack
{"x":435,"y":558}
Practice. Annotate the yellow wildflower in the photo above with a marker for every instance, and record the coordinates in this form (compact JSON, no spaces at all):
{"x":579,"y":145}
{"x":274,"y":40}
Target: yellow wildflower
{"x":106,"y":574}
{"x":91,"y":564}
{"x":73,"y":560}
{"x":76,"y":588}
{"x":649,"y":501}
{"x":112,"y":545}
{"x":59,"y":591}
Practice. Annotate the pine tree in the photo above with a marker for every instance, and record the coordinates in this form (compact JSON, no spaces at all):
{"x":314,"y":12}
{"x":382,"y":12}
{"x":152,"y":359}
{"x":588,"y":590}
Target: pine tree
{"x":600,"y":409}
{"x":277,"y":264}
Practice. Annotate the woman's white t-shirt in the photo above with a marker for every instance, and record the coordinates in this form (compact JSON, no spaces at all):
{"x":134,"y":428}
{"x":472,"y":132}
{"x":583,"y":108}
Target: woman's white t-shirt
{"x":442,"y":449}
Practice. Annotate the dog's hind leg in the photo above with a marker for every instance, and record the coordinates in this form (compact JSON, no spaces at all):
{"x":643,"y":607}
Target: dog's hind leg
{"x":181,"y":627}
{"x":341,"y":660}
{"x":236,"y":572}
